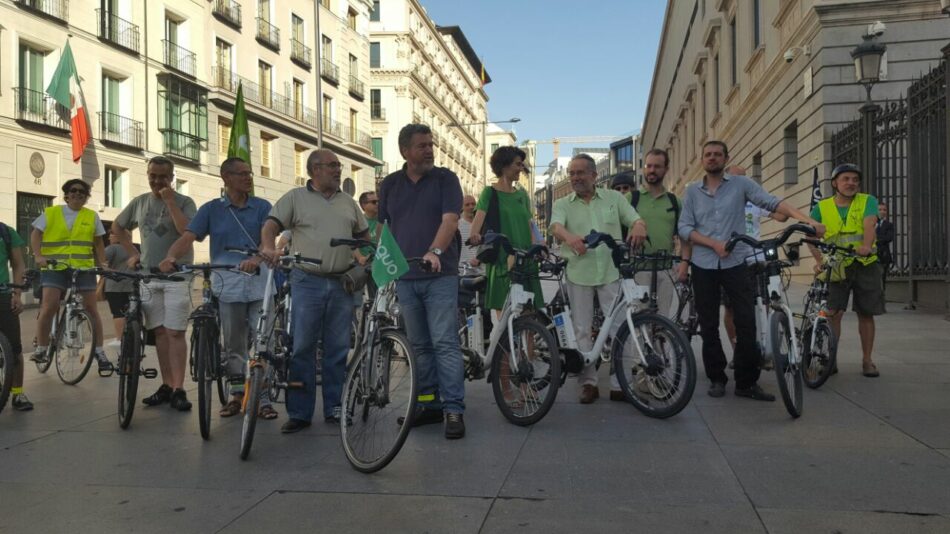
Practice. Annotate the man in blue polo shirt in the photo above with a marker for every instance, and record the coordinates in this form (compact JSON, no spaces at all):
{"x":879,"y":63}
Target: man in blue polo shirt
{"x":235,"y":221}
{"x":421,"y":204}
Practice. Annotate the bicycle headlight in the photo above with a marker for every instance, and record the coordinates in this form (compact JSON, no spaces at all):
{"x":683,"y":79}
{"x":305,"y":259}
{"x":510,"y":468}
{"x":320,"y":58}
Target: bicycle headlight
{"x":395,"y":310}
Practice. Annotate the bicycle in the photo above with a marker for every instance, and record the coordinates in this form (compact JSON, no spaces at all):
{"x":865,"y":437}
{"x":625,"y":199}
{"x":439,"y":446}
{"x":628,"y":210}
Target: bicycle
{"x":269,"y":361}
{"x":778,"y":340}
{"x":816,"y":337}
{"x":72,"y":335}
{"x":8,"y":360}
{"x":526,"y":366}
{"x":686,"y":316}
{"x":132,"y":347}
{"x":379,"y":391}
{"x":652,"y":357}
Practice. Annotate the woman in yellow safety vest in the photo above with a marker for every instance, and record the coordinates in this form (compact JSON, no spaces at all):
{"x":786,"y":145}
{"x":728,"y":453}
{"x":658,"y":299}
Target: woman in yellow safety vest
{"x":71,"y":235}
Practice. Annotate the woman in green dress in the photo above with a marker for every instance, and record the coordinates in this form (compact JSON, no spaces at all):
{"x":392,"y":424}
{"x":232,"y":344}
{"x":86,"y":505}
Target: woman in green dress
{"x":515,"y":214}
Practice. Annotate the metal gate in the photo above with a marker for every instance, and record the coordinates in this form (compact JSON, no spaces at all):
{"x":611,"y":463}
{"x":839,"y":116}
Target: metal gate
{"x":28,"y":208}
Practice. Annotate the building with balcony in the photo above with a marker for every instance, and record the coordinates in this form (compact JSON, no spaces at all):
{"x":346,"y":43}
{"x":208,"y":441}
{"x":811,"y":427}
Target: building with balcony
{"x":424,"y":73}
{"x":169,"y":88}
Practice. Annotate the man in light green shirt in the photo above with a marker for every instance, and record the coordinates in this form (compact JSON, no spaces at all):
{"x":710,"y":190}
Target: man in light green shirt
{"x":591,"y":272}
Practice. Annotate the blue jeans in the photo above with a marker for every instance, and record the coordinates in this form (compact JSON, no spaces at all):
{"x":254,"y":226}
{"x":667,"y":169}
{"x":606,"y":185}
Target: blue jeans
{"x":430,"y":308}
{"x":321,"y":311}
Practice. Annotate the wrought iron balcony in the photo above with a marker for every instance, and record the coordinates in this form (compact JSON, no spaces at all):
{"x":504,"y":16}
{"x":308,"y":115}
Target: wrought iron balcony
{"x":357,"y":88}
{"x":39,"y":108}
{"x":377,"y":112}
{"x":228,"y":11}
{"x":57,"y":9}
{"x":179,"y":58}
{"x":253,"y":92}
{"x":117,"y":31}
{"x":181,"y":144}
{"x":329,"y":71}
{"x":333,"y":128}
{"x":120,"y":130}
{"x":300,"y":53}
{"x":268,"y":34}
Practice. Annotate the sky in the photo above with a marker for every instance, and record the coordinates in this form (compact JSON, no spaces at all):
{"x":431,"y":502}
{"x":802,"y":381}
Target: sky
{"x":565,"y":68}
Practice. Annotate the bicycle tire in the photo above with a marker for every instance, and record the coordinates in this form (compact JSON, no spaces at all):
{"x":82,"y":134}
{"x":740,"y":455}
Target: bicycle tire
{"x":666,"y":384}
{"x":220,"y":376}
{"x":537,"y":389}
{"x":202,"y":354}
{"x":7,"y":369}
{"x":128,"y":368}
{"x":364,"y":419}
{"x":789,"y":374}
{"x":252,"y":403}
{"x":817,"y":366}
{"x":60,"y":319}
{"x":74,"y":354}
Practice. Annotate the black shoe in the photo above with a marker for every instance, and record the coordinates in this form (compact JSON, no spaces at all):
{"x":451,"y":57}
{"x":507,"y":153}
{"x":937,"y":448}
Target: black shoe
{"x":717,"y":389}
{"x":21,"y":403}
{"x":294,"y":425}
{"x":335,"y":418}
{"x":163,"y":395}
{"x":179,"y":401}
{"x":454,"y":426}
{"x":423,"y":416}
{"x":755,"y":392}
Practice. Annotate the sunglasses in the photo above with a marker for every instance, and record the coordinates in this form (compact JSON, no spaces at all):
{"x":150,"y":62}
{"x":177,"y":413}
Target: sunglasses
{"x":79,"y":191}
{"x":622,"y":188}
{"x":372,"y":202}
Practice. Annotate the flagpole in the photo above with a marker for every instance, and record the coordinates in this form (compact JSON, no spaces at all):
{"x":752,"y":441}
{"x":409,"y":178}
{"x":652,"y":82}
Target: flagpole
{"x":317,"y":44}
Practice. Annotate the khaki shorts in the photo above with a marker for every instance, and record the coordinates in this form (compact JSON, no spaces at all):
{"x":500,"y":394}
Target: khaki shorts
{"x":167,"y":304}
{"x":865,"y":281}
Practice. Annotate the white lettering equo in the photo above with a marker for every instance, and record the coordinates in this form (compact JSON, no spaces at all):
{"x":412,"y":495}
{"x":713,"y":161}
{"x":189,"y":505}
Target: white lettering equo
{"x":383,"y":254}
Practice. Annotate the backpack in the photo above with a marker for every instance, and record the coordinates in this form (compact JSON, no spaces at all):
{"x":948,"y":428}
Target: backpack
{"x":635,"y":199}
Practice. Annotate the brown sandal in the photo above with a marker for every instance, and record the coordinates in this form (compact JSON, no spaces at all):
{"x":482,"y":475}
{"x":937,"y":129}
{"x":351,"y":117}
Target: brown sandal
{"x":232,"y":408}
{"x":267,"y":412}
{"x":869,"y":370}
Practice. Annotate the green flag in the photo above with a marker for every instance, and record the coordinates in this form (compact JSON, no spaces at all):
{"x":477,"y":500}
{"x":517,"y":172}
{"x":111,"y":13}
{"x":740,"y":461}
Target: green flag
{"x":389,"y":263}
{"x":239,"y":144}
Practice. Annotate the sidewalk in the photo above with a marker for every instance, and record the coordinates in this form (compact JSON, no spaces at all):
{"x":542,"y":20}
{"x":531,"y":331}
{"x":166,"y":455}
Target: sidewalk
{"x":868,"y":456}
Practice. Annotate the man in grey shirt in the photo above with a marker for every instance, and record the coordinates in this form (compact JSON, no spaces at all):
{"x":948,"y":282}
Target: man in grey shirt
{"x":162,"y":216}
{"x":714,"y":209}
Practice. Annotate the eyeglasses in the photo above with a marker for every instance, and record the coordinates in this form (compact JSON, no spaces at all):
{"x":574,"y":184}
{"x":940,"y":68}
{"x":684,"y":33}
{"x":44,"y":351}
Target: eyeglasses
{"x":576,"y":173}
{"x":78,"y":191}
{"x":622,"y":188}
{"x":333,"y":165}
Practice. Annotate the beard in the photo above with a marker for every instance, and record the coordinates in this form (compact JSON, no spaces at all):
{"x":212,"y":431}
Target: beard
{"x":653,"y":179}
{"x":714,"y":169}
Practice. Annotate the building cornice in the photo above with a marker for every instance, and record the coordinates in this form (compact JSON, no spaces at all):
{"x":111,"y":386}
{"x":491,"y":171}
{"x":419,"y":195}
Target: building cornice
{"x":699,"y":63}
{"x":712,"y":31}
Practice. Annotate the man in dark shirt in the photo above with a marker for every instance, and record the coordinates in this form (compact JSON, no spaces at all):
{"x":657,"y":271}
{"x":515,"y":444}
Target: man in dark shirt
{"x":885,"y":236}
{"x":421,"y":204}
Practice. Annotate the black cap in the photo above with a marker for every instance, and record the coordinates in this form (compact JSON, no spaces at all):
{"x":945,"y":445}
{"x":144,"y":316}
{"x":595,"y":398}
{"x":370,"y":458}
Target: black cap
{"x":846,"y":167}
{"x":624,"y":178}
{"x":70,"y":183}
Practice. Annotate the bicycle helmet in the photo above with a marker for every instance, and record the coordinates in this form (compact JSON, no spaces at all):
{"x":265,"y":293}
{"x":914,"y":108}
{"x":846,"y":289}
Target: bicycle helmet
{"x":846,"y":167}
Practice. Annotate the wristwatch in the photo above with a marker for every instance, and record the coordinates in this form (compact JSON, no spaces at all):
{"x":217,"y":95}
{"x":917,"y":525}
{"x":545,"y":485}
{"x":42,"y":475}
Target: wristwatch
{"x":436,"y":250}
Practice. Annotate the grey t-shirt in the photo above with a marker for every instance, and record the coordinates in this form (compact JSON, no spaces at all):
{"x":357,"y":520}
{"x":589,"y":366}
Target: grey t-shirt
{"x":150,"y":215}
{"x":117,"y":258}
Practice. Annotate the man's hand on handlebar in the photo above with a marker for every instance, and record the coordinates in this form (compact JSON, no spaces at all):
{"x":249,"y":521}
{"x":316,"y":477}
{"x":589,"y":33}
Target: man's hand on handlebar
{"x":434,"y":263}
{"x":269,"y":254}
{"x":638,"y":233}
{"x":682,"y":271}
{"x":577,"y":244}
{"x":251,"y":265}
{"x":720,"y":248}
{"x":168,"y":265}
{"x":863,"y":251}
{"x":819,"y":228}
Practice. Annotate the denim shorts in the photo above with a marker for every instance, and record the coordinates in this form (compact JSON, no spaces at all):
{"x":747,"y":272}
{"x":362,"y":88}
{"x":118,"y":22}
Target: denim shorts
{"x":61,"y":279}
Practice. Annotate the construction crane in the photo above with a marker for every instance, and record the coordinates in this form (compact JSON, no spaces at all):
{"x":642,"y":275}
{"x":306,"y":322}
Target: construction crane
{"x":556,"y":142}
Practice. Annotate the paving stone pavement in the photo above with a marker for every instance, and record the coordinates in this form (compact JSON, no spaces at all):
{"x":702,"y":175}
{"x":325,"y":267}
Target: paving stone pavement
{"x":867,"y":456}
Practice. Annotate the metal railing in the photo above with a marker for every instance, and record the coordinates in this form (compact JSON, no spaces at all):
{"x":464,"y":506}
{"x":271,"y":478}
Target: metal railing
{"x":180,"y":144}
{"x":377,"y":111}
{"x":57,"y":9}
{"x":300,"y":53}
{"x":228,"y":10}
{"x":268,"y":34}
{"x":223,"y":78}
{"x":329,"y":71}
{"x":121,"y":130}
{"x":179,"y":58}
{"x":332,"y":127}
{"x":117,"y":31}
{"x":39,"y":108}
{"x":357,"y":88}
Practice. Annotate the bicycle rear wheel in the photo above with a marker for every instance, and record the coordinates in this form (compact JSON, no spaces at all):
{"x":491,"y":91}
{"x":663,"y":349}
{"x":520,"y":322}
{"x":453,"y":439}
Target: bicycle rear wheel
{"x":128,"y":366}
{"x":525,"y":394}
{"x":661,"y":383}
{"x":202,"y":350}
{"x":818,"y":365}
{"x":220,"y":375}
{"x":252,"y":403}
{"x":53,"y":341}
{"x":75,"y":349}
{"x":7,"y":367}
{"x":377,"y":392}
{"x":788,"y":373}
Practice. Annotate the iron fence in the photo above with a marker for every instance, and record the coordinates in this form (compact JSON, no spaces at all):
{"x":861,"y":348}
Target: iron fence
{"x":300,"y":53}
{"x":39,"y":108}
{"x":329,"y":71}
{"x":117,"y":30}
{"x":229,"y":11}
{"x":268,"y":34}
{"x":120,"y":130}
{"x":57,"y":9}
{"x":179,"y":58}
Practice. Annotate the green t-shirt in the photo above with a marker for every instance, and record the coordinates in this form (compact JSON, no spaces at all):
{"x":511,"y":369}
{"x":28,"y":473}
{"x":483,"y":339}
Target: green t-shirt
{"x":870,"y":209}
{"x":660,"y":218}
{"x":15,"y":242}
{"x":515,"y":211}
{"x":373,"y":235}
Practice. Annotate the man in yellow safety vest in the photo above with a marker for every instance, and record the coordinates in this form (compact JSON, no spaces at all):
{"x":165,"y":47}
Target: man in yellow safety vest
{"x":850,"y":218}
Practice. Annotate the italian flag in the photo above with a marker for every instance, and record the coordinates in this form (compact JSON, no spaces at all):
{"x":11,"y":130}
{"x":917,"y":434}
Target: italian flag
{"x":64,"y":89}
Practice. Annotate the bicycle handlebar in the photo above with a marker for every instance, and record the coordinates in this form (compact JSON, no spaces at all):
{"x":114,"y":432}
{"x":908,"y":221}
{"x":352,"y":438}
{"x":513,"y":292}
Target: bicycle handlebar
{"x":769,"y":243}
{"x":830,"y":248}
{"x":534,"y":251}
{"x":352,"y":243}
{"x":291,"y":258}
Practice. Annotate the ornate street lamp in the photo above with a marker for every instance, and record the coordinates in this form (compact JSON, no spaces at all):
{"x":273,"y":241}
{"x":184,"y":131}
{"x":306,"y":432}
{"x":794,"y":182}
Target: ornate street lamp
{"x":867,"y":62}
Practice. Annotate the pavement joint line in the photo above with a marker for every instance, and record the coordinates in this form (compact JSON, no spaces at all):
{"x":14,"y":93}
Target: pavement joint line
{"x":245,"y":511}
{"x":501,"y":486}
{"x":883,"y":420}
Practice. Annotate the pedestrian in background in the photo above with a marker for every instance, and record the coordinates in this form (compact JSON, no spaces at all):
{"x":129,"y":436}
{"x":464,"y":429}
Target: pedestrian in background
{"x":885,"y":236}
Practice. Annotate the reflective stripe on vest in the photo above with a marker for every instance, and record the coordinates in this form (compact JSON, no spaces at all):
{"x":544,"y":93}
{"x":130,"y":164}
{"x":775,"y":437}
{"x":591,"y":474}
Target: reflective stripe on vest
{"x":73,"y":246}
{"x":850,"y":232}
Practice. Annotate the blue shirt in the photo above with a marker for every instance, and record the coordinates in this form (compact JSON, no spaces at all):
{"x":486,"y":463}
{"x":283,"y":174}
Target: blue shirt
{"x":219,"y":219}
{"x":414,"y":213}
{"x":718,"y":215}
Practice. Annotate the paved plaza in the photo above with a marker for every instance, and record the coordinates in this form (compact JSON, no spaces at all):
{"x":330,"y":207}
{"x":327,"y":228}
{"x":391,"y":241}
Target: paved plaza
{"x":867,"y":456}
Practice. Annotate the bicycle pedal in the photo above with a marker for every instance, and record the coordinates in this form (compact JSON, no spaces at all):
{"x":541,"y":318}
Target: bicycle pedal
{"x":106,"y":373}
{"x":149,"y":373}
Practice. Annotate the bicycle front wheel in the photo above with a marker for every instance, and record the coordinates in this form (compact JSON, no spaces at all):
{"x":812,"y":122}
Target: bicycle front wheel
{"x":75,"y":348}
{"x":525,"y":394}
{"x":203,"y":354}
{"x":379,"y":392}
{"x":656,"y":367}
{"x":787,"y":370}
{"x":7,"y":366}
{"x":130,"y":361}
{"x":252,"y":403}
{"x":818,"y":364}
{"x":54,"y":340}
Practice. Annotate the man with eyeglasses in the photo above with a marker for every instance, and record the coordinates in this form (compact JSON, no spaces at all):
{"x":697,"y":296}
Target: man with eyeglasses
{"x":71,"y":235}
{"x":232,"y":221}
{"x":369,"y":203}
{"x":467,"y":254}
{"x":322,"y":310}
{"x":162,"y":216}
{"x":590,"y":208}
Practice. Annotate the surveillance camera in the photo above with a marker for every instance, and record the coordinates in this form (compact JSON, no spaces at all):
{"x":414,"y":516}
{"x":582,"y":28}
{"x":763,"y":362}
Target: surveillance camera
{"x":789,"y":56}
{"x":876,"y":28}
